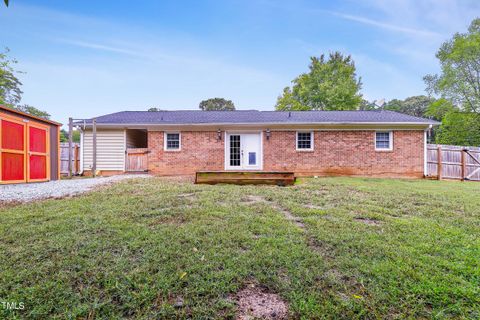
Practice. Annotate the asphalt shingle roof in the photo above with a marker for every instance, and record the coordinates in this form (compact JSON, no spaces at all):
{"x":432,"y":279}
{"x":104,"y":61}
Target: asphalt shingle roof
{"x":254,"y":117}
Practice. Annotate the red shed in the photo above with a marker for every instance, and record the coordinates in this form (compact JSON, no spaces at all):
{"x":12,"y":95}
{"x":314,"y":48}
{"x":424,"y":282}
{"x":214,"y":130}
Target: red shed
{"x":29,"y":147}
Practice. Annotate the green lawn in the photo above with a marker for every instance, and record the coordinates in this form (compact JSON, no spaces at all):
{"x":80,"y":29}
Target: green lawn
{"x":362,"y":248}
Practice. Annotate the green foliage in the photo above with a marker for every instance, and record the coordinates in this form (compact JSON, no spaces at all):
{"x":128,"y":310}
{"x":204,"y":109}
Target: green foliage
{"x":64,"y":136}
{"x":459,"y":80}
{"x":287,"y":102}
{"x":439,"y":108}
{"x":154,"y":109}
{"x":367,"y":105}
{"x":415,"y":106}
{"x":33,"y":111}
{"x":459,"y":128}
{"x":10,"y":92}
{"x":6,"y":2}
{"x":217,"y":104}
{"x":330,"y":84}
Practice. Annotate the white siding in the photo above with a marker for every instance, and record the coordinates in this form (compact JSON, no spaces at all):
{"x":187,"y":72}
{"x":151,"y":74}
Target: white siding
{"x":110,"y":150}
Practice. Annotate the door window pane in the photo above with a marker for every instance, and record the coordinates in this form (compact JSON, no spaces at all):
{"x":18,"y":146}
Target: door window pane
{"x":252,"y":158}
{"x":235,"y":150}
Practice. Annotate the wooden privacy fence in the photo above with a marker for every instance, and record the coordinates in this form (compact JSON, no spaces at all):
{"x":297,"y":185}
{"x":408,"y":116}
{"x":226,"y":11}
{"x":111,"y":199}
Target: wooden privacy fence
{"x":64,"y":158}
{"x":453,"y":162}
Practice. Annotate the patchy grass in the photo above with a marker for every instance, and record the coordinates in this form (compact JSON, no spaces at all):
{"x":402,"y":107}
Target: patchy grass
{"x":330,"y":247}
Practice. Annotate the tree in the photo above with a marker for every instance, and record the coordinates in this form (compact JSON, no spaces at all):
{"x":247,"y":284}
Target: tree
{"x":153,"y":109}
{"x":330,"y":84}
{"x":439,"y":108}
{"x":459,"y":128}
{"x":33,"y":111}
{"x":10,"y":92}
{"x":216,"y":104}
{"x":6,"y":2}
{"x":415,"y":106}
{"x":366,"y":105}
{"x":459,"y":80}
{"x":287,"y":102}
{"x":64,"y":136}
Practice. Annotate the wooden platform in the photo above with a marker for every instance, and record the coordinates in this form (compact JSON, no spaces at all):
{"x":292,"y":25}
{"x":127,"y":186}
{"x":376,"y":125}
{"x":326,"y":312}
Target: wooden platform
{"x":246,"y":177}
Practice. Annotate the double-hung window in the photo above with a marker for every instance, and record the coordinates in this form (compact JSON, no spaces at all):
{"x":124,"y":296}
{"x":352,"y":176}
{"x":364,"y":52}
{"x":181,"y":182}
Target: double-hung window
{"x":172,"y":141}
{"x":304,"y":141}
{"x":383,"y":141}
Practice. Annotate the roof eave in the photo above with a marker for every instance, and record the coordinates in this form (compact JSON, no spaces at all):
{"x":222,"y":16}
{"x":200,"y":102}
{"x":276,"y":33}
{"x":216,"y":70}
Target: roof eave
{"x":433,"y":123}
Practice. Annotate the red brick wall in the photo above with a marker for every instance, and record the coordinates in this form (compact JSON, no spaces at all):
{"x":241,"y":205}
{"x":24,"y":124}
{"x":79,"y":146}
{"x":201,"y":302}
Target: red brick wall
{"x":200,"y":150}
{"x":335,"y":153}
{"x":346,"y":153}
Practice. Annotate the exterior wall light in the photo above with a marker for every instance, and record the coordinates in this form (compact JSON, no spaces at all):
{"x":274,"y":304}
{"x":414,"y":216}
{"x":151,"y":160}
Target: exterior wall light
{"x":219,"y":135}
{"x":268,"y":134}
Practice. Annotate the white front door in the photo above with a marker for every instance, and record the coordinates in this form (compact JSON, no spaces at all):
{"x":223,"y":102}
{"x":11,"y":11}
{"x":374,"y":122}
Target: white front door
{"x":243,"y":151}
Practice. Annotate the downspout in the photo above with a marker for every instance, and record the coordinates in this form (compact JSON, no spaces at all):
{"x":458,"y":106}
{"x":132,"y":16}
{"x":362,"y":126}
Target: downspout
{"x":81,"y":150}
{"x":425,"y":151}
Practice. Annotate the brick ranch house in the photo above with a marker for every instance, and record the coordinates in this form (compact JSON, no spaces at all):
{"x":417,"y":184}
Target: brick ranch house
{"x":366,"y":143}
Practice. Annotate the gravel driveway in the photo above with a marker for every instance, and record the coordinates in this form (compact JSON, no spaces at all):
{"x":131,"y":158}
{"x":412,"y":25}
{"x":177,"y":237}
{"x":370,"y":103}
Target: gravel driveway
{"x":56,"y":189}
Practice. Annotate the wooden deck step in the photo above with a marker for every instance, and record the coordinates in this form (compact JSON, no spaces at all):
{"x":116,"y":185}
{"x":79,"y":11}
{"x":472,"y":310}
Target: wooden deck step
{"x":246,"y":177}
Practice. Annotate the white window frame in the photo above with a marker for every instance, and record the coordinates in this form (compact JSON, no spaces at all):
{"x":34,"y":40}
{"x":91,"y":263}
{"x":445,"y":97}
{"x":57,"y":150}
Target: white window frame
{"x":312,"y":143}
{"x":390,"y":140}
{"x":165,"y":141}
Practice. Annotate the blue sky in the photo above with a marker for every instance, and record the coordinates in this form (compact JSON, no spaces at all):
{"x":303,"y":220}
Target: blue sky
{"x":87,"y":58}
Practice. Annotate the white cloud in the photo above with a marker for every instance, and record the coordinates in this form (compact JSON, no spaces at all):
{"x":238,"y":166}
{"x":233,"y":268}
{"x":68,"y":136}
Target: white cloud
{"x":443,"y":16}
{"x":102,"y":47}
{"x":386,"y":26}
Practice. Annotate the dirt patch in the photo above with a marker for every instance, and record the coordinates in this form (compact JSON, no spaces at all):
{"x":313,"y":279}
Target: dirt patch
{"x":251,"y":199}
{"x":177,"y":302}
{"x":323,"y":249}
{"x":168,"y":220}
{"x":320,"y":207}
{"x":290,"y":217}
{"x":188,"y":196}
{"x":368,"y":221}
{"x":313,"y":207}
{"x":254,"y":302}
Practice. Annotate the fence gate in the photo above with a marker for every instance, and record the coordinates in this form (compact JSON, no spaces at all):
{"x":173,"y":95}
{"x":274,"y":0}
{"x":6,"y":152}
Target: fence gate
{"x":136,"y":159}
{"x":64,"y":158}
{"x":453,"y":162}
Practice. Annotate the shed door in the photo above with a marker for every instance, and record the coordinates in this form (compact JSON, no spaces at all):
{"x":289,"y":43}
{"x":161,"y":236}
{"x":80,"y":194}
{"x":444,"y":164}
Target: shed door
{"x":37,"y":153}
{"x":12,"y":151}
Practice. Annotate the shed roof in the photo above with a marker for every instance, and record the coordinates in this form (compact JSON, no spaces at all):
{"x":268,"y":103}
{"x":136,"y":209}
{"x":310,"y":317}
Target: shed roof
{"x":186,"y":117}
{"x":27,"y":115}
